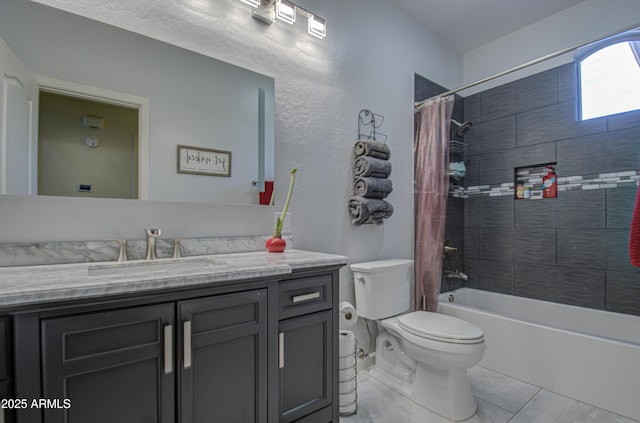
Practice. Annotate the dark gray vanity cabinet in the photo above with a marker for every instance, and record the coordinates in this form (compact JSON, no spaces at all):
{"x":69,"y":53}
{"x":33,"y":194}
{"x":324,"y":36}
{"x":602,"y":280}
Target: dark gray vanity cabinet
{"x":251,"y":351}
{"x":191,"y":361}
{"x":306,"y":350}
{"x":111,"y":366}
{"x":223,"y":358}
{"x":5,"y":368}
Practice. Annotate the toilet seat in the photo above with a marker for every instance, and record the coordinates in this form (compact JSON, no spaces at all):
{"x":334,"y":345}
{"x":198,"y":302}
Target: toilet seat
{"x":440,"y":327}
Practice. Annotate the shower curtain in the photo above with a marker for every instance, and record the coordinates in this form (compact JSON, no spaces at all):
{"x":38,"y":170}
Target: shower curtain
{"x":431,"y":156}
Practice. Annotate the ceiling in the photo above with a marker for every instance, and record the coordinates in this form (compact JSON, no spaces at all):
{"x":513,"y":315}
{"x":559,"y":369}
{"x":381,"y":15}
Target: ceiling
{"x":467,"y":24}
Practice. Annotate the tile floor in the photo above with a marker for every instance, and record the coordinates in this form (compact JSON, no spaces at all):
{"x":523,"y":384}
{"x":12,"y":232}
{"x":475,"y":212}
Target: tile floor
{"x":500,"y":400}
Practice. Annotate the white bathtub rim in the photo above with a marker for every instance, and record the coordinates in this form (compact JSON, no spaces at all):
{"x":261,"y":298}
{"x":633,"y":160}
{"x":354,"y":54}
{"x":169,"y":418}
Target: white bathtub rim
{"x":443,"y":301}
{"x":539,"y":325}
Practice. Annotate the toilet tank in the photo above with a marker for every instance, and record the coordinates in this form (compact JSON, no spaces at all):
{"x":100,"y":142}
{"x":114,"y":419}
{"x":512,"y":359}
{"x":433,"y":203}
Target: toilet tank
{"x":383,"y":288}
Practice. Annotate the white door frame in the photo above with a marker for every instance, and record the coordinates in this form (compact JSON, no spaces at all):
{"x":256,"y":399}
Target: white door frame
{"x":88,"y":92}
{"x":15,"y":76}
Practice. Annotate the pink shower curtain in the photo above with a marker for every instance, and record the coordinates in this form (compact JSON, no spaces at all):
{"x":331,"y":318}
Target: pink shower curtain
{"x":431,"y":155}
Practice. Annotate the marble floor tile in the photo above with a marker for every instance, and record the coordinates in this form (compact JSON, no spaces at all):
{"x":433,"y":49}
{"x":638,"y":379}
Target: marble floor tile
{"x":489,"y":413}
{"x":547,"y":407}
{"x":500,"y":399}
{"x":497,"y":389}
{"x":379,"y":404}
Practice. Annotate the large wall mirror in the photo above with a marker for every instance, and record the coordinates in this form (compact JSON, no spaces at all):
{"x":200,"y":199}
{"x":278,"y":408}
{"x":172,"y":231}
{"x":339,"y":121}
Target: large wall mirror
{"x":98,"y":111}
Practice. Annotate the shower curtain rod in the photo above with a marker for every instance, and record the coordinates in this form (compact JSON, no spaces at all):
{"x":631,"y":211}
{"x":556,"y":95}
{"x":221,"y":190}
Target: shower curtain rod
{"x":419,"y":104}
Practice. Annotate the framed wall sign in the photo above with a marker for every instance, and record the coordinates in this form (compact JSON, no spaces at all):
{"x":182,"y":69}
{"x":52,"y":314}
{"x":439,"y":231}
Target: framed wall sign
{"x":203,"y":161}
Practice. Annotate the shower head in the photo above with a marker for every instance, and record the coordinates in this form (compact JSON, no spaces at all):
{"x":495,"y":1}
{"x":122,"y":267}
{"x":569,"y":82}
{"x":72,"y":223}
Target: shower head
{"x":462,"y":128}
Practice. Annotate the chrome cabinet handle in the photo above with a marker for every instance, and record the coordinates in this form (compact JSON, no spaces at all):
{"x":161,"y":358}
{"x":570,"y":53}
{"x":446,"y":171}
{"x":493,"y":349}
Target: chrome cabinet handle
{"x":168,"y":349}
{"x":281,"y":350}
{"x":306,"y":297}
{"x":187,"y":344}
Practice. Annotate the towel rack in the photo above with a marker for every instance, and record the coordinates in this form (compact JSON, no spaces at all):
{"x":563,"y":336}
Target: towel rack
{"x":371,"y":172}
{"x":369,"y":121}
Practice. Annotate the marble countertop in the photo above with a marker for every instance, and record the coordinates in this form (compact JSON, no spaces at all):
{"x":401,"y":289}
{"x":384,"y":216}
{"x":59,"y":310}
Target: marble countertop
{"x":23,"y":285}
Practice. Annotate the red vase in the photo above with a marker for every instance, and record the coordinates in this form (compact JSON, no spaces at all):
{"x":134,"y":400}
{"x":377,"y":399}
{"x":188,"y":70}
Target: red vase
{"x":276,"y":244}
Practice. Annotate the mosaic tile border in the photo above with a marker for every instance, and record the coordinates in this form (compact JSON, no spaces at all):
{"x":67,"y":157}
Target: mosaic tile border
{"x":566,"y":183}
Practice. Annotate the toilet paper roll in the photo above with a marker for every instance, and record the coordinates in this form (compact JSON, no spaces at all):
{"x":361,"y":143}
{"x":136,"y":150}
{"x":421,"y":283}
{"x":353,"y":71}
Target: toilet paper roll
{"x":346,"y":376}
{"x":348,"y":314}
{"x":347,"y":343}
{"x":347,"y":361}
{"x":348,"y":410}
{"x":346,"y":400}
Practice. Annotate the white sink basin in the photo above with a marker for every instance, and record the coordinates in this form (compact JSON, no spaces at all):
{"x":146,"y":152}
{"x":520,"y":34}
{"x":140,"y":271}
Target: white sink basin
{"x":144,"y":266}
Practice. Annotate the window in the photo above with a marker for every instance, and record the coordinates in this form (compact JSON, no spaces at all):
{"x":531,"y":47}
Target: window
{"x":608,"y":76}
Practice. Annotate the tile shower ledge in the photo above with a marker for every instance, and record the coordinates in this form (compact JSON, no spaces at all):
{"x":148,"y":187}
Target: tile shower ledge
{"x":25,"y":285}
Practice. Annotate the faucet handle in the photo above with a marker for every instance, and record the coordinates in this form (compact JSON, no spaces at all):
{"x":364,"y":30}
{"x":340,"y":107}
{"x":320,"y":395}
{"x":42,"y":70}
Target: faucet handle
{"x":122,"y":255}
{"x":152,"y":234}
{"x":176,"y":247}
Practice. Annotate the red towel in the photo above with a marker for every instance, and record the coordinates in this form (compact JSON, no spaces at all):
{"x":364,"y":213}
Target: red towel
{"x":634,"y":238}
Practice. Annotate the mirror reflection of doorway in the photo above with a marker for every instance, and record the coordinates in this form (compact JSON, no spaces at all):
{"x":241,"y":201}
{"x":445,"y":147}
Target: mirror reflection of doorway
{"x":87,"y":148}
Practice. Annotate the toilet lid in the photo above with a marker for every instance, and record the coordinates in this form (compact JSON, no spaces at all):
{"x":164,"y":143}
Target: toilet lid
{"x":440,"y":327}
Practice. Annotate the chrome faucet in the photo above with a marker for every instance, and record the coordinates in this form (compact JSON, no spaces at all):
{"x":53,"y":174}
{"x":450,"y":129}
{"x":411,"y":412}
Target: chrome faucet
{"x":152,"y":234}
{"x":176,"y":247}
{"x":448,"y":250}
{"x":122,"y":255}
{"x":456,"y":274}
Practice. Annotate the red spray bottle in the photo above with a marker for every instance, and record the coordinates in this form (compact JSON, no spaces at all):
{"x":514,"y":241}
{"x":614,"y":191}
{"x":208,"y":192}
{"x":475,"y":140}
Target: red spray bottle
{"x":550,"y":184}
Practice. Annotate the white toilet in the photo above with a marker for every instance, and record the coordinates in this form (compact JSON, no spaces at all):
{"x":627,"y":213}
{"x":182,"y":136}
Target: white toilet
{"x":422,"y":355}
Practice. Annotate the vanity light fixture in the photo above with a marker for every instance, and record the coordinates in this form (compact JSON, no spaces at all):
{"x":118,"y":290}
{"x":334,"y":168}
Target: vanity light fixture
{"x":286,"y":11}
{"x":254,"y":3}
{"x":268,"y":10}
{"x":317,"y":26}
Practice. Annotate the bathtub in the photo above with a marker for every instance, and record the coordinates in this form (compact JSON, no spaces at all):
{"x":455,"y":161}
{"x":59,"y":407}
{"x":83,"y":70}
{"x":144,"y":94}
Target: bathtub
{"x":590,"y":355}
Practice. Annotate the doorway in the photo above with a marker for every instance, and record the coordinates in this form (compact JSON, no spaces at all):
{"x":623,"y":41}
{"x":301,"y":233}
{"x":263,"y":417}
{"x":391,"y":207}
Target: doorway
{"x":87,"y":148}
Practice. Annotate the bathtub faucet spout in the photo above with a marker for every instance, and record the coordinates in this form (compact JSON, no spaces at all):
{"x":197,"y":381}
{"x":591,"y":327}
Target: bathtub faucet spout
{"x":455,"y":274}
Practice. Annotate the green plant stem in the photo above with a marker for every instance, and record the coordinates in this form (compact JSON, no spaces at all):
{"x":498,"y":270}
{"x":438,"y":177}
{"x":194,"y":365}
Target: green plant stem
{"x":280,"y":220}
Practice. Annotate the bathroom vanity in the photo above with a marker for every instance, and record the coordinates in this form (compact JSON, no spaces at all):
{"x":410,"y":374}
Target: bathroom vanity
{"x":246,"y":337}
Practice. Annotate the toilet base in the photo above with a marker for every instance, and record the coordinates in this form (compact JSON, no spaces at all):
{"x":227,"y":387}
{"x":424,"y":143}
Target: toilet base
{"x":445,"y":392}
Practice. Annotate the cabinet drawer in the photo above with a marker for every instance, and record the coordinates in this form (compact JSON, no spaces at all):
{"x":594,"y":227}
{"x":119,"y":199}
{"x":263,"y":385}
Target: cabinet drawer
{"x":305,"y":295}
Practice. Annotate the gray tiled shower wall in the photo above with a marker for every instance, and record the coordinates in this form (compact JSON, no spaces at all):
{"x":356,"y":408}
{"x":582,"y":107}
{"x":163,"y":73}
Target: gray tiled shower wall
{"x":573,"y":249}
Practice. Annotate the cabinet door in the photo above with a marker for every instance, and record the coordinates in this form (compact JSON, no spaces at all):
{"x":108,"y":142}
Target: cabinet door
{"x":113,"y":366}
{"x":306,"y":363}
{"x":5,"y":365}
{"x":223,"y":358}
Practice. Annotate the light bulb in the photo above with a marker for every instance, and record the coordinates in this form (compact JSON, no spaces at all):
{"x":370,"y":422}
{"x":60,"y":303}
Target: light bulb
{"x":286,"y":11}
{"x":254,"y":3}
{"x":317,"y":27}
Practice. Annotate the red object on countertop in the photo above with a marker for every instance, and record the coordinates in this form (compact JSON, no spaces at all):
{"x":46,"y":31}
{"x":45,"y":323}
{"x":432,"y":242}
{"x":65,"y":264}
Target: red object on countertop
{"x":550,"y":184}
{"x":634,"y":236}
{"x":265,"y":197}
{"x":276,"y":244}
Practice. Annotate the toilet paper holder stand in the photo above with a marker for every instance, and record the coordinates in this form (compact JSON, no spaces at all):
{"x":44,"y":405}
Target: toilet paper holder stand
{"x":348,"y":392}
